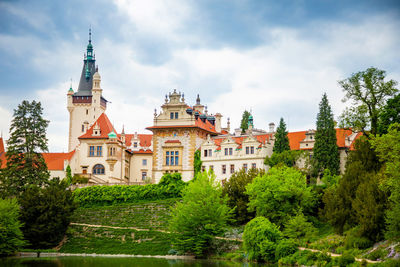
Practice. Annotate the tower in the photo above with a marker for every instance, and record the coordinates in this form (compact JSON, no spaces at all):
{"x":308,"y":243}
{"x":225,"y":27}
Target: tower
{"x":87,"y":104}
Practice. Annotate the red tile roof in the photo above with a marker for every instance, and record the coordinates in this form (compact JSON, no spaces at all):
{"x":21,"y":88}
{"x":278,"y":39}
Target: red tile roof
{"x":141,"y":151}
{"x":295,"y":138}
{"x":55,"y":161}
{"x":105,"y":128}
{"x":173,"y":141}
{"x":144,"y":139}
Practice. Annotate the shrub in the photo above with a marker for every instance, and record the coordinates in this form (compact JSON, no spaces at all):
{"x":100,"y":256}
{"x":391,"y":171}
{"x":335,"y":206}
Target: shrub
{"x":171,"y":185}
{"x":285,"y":248}
{"x":77,"y":179}
{"x":346,"y":259}
{"x":260,"y":239}
{"x":298,"y":228}
{"x":46,"y":213}
{"x":355,"y":240}
{"x":11,"y":238}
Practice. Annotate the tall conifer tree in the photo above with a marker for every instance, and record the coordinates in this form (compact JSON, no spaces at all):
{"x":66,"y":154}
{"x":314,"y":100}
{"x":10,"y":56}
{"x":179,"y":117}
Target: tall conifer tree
{"x":281,"y":138}
{"x":325,"y":151}
{"x":244,"y":124}
{"x":25,"y":163}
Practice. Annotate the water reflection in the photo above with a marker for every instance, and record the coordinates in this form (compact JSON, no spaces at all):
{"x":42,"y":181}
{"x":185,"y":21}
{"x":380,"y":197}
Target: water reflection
{"x":117,"y":262}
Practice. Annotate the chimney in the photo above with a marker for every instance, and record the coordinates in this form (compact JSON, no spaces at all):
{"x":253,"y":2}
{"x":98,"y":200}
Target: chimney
{"x":218,"y":117}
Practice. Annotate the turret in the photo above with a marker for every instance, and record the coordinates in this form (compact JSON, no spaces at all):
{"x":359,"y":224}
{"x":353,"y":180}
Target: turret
{"x":198,"y":106}
{"x":96,"y":89}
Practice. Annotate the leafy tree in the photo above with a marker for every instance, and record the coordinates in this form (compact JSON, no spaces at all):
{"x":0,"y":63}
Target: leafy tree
{"x":68,"y":175}
{"x":329,"y":179}
{"x":235,"y":189}
{"x":25,"y":164}
{"x":287,"y":157}
{"x":388,"y":148}
{"x":171,"y":184}
{"x":11,"y":238}
{"x":338,"y":199}
{"x":244,"y":123}
{"x":279,"y":194}
{"x":325,"y":151}
{"x":281,"y":138}
{"x":260,"y":239}
{"x":390,"y":114}
{"x":197,"y":163}
{"x":298,"y":228}
{"x":202,"y":214}
{"x":46,"y":213}
{"x":368,"y":90}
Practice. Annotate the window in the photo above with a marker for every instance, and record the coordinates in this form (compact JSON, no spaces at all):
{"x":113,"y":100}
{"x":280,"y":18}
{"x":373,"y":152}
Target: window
{"x":87,"y":111}
{"x":245,"y":167}
{"x":211,"y":168}
{"x":205,"y":152}
{"x":135,"y":144}
{"x":111,"y":151}
{"x":223,"y":169}
{"x":171,"y":115}
{"x":99,"y":151}
{"x":83,"y":128}
{"x":230,"y":151}
{"x":176,"y":115}
{"x":144,"y":176}
{"x":232,"y":168}
{"x":252,"y":150}
{"x":210,"y":152}
{"x":98,"y":169}
{"x":91,"y":151}
{"x":253,"y":166}
{"x":172,"y":158}
{"x":247,"y":150}
{"x":144,"y":162}
{"x":226,"y":152}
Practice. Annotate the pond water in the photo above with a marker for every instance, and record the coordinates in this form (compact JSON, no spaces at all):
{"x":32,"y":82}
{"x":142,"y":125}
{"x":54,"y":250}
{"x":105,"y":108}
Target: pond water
{"x":118,"y":262}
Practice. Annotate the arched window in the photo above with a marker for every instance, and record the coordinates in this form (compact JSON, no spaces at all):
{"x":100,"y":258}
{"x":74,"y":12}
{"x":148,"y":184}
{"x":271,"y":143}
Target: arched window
{"x":98,"y":169}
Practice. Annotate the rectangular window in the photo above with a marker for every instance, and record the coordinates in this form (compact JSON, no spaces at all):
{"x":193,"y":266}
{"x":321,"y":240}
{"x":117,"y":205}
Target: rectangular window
{"x":91,"y":151}
{"x":210,"y":152}
{"x":232,"y":168}
{"x":176,"y":158}
{"x":99,"y":151}
{"x":247,"y":150}
{"x":230,"y":151}
{"x":83,"y":128}
{"x":245,"y":167}
{"x":253,"y":165}
{"x":144,"y":162}
{"x":144,"y":176}
{"x":135,"y":144}
{"x":205,"y":152}
{"x":252,"y":150}
{"x":176,"y":115}
{"x":171,"y":115}
{"x":172,"y":158}
{"x":167,"y":158}
{"x":223,"y":169}
{"x":226,"y":152}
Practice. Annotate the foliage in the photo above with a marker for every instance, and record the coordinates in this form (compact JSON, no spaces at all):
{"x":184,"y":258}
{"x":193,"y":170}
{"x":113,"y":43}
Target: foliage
{"x":46,"y":213}
{"x":68,"y":175}
{"x":281,"y":138}
{"x":287,"y":157}
{"x":280,"y":194}
{"x":244,"y":123}
{"x":325,"y":151}
{"x":197,"y":163}
{"x":338,"y":210}
{"x":329,"y":179}
{"x":25,"y":164}
{"x":107,"y":195}
{"x":260,"y":239}
{"x":297,"y":227}
{"x":390,"y":114}
{"x":355,"y":240}
{"x":235,"y":189}
{"x":285,"y":247}
{"x":388,"y":148}
{"x":368,"y":90}
{"x":77,"y":179}
{"x":202,"y":214}
{"x":346,"y":259}
{"x":11,"y":238}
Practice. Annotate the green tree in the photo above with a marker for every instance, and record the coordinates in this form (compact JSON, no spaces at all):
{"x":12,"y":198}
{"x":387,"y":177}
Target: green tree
{"x":197,"y":163}
{"x":287,"y":157}
{"x":235,"y":189}
{"x":46,"y":213}
{"x":325,"y":151}
{"x":298,"y":228}
{"x":260,"y":239}
{"x":11,"y":238}
{"x":388,"y":148}
{"x":244,"y":123}
{"x":202,"y":215}
{"x":368,"y":90}
{"x":390,"y":114}
{"x":25,"y":164}
{"x":68,"y":175}
{"x":171,"y":184}
{"x":279,"y":194}
{"x":281,"y":138}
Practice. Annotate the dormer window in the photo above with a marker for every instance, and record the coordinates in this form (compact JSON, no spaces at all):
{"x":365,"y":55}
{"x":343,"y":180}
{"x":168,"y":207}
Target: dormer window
{"x":173,"y":115}
{"x":135,"y":144}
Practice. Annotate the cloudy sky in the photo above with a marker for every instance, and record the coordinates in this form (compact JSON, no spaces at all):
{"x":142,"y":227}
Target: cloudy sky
{"x":273,"y":57}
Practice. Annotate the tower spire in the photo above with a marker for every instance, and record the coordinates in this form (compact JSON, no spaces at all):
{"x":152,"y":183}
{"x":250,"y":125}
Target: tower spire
{"x":89,"y":50}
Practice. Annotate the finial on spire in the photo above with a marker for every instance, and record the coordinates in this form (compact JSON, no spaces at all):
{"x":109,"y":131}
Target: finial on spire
{"x":123,"y":129}
{"x":90,"y":34}
{"x":198,"y":100}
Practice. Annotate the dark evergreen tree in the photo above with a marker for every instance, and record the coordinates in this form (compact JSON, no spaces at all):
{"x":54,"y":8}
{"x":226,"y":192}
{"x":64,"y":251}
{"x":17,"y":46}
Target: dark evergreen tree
{"x":281,"y":138}
{"x":390,"y":114}
{"x":25,"y":164}
{"x":325,"y":151}
{"x":244,"y":124}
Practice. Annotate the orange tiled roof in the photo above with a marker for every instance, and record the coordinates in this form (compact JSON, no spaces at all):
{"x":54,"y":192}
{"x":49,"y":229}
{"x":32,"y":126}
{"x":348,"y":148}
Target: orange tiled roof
{"x":105,"y":128}
{"x":144,"y":139}
{"x":173,"y":141}
{"x":55,"y":161}
{"x":295,"y":138}
{"x":141,"y":151}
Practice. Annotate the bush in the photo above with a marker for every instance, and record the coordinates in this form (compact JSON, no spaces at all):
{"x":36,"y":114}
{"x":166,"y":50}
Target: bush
{"x":46,"y":213}
{"x":77,"y":179}
{"x":11,"y":238}
{"x":298,"y":228}
{"x":355,"y":240}
{"x":202,"y":215}
{"x":260,"y":239}
{"x":170,"y":186}
{"x":285,"y":248}
{"x":345,"y":259}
